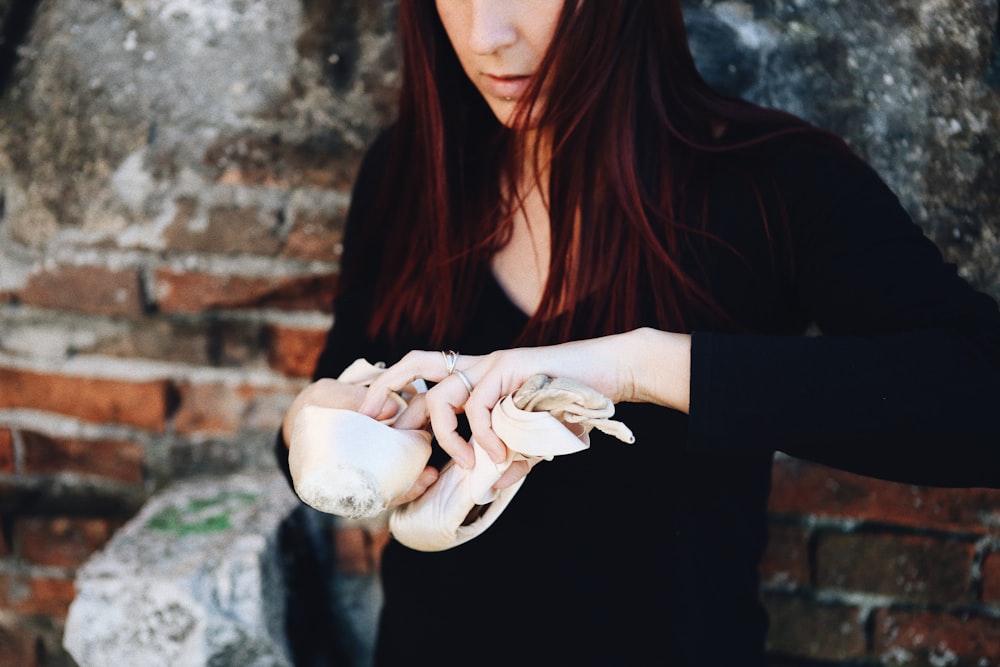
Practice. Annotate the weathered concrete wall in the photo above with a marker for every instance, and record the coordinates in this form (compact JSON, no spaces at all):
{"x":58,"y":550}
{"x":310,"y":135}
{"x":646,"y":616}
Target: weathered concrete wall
{"x":914,"y":85}
{"x":173,"y":180}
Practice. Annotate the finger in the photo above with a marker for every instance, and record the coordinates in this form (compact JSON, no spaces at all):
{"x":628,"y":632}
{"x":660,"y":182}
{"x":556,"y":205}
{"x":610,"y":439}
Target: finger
{"x":478,"y":410}
{"x":444,"y":401}
{"x":389,"y":411}
{"x":517,"y":471}
{"x":419,"y":487}
{"x":416,"y":365}
{"x":330,"y":393}
{"x":415,"y":415}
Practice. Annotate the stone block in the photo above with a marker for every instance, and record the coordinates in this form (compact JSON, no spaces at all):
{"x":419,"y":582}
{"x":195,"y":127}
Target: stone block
{"x":786,"y":559}
{"x":228,"y":230}
{"x":17,"y":646}
{"x":809,"y":628}
{"x":192,"y":292}
{"x":61,"y":541}
{"x":293,"y":351}
{"x":219,"y":408}
{"x":930,"y":639}
{"x":110,"y":459}
{"x":6,"y":451}
{"x":906,"y":567}
{"x":316,"y":236}
{"x":990,"y":577}
{"x":140,"y":403}
{"x":36,"y":594}
{"x":194,"y":579}
{"x":804,"y":488}
{"x":89,"y":289}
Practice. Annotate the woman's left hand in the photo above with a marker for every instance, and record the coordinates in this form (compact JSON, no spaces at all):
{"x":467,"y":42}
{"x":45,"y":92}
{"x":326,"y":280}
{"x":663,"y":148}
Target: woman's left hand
{"x":624,"y":367}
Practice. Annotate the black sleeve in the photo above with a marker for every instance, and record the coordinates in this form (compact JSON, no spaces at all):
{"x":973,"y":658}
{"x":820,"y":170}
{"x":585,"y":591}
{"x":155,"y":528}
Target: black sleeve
{"x":904,"y":381}
{"x":347,"y":340}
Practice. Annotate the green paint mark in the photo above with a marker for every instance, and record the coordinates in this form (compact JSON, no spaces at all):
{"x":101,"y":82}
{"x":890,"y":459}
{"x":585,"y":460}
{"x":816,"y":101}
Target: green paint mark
{"x":201,"y":516}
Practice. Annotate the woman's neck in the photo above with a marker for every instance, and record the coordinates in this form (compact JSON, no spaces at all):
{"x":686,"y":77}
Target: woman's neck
{"x":521,"y":267}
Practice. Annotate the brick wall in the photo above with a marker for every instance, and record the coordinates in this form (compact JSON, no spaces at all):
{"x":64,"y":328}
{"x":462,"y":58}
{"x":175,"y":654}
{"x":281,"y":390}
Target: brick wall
{"x":118,"y":374}
{"x":165,"y":280}
{"x":172,"y":197}
{"x":872,"y":572}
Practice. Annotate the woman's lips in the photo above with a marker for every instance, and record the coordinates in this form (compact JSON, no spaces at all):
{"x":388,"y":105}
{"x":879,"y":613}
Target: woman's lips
{"x":506,"y":86}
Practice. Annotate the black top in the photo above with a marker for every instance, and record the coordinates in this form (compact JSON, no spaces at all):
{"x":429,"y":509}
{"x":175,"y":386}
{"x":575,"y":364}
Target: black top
{"x":648,"y":553}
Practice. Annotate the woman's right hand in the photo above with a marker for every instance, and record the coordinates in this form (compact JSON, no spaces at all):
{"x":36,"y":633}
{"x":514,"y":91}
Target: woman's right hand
{"x":330,"y":393}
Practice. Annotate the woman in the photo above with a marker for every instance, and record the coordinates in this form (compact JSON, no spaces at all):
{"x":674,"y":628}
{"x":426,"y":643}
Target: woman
{"x":562,"y":194}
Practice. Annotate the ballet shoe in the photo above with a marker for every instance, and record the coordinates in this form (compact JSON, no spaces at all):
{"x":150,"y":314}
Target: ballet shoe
{"x":345,"y":463}
{"x":437,"y":520}
{"x":545,"y":418}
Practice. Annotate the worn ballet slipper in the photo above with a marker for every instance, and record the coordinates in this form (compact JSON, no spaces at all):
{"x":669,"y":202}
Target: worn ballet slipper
{"x":462,"y":503}
{"x":570,"y":402}
{"x":437,"y":520}
{"x":345,"y":463}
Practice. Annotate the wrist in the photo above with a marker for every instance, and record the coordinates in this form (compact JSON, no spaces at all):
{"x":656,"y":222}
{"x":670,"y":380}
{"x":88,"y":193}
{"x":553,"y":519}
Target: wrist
{"x":660,"y":363}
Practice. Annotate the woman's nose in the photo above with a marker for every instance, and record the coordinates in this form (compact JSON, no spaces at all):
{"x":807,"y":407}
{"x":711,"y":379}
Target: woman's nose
{"x":492,"y":27}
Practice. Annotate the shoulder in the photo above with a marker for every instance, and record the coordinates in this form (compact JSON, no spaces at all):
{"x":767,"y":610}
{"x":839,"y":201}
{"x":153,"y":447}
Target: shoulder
{"x":824,"y":169}
{"x":809,"y":173}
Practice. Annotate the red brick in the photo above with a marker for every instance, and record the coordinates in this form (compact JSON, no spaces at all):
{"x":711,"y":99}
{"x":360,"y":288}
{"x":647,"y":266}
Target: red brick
{"x":938,"y":638}
{"x":913,"y":568}
{"x":264,"y":162}
{"x":61,"y":541}
{"x":37,"y":596}
{"x":141,"y":404}
{"x":811,"y":629}
{"x":18,"y":647}
{"x":379,"y":538}
{"x":803,"y":488}
{"x":113,"y":459}
{"x":9,"y":492}
{"x":223,"y":409}
{"x":294,"y":351}
{"x":192,"y":292}
{"x":6,"y":451}
{"x":991,"y":577}
{"x":358,"y":549}
{"x":786,"y":559}
{"x":351,"y":550}
{"x":229,"y":230}
{"x":90,"y":289}
{"x":316,"y":237}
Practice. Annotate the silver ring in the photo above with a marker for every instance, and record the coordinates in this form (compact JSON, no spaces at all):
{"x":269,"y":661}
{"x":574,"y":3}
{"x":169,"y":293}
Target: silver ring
{"x":465,"y":380}
{"x":450,"y":359}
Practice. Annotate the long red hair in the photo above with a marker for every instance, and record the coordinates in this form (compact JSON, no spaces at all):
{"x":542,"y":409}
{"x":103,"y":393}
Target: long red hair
{"x":628,"y":115}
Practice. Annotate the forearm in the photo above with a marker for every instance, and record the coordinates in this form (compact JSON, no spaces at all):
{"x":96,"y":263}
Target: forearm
{"x":917,"y":407}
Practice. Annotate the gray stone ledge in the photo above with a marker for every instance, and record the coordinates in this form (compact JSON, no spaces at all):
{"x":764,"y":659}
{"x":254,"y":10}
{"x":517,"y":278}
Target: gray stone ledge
{"x":196,"y":578}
